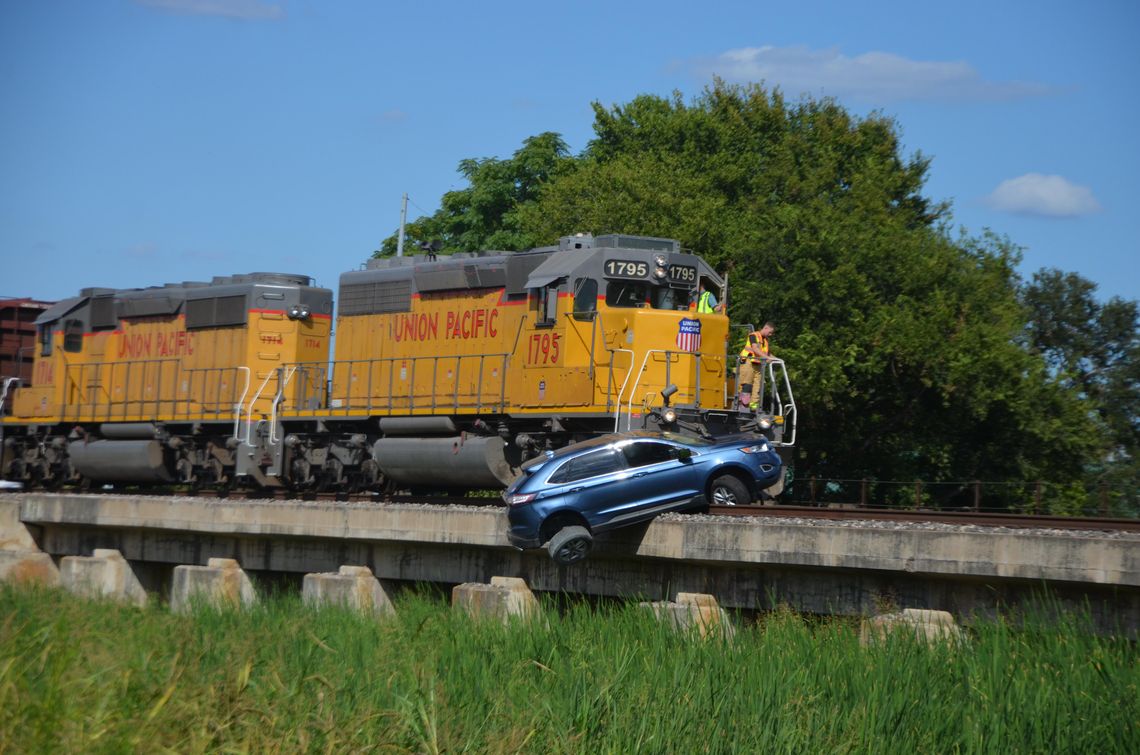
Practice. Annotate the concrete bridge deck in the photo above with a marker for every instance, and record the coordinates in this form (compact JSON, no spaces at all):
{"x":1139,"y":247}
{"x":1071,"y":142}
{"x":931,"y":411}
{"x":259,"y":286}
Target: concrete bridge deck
{"x":747,"y":563}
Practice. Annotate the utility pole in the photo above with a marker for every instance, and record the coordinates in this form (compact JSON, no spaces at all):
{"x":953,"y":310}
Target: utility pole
{"x":403,"y":221}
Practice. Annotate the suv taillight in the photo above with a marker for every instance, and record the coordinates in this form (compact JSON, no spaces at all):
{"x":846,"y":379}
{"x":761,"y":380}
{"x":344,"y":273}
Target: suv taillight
{"x":518,"y":499}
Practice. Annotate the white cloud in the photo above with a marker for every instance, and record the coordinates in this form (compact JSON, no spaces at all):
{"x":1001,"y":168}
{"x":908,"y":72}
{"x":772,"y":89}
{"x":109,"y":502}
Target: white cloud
{"x":874,"y":77}
{"x":250,"y":10}
{"x":1045,"y":196}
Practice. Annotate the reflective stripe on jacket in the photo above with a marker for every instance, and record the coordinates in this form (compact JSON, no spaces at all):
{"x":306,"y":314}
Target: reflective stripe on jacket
{"x":755,"y":339}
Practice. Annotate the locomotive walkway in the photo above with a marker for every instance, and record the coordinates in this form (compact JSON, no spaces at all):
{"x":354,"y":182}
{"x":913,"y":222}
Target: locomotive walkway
{"x":815,"y":566}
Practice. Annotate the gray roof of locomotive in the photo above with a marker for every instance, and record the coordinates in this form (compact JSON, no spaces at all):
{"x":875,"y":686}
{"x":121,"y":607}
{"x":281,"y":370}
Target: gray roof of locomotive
{"x":573,"y":256}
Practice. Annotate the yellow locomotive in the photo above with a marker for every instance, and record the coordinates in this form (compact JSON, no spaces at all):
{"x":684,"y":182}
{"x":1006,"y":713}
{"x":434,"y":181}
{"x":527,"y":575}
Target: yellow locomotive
{"x":447,"y":372}
{"x":149,"y":385}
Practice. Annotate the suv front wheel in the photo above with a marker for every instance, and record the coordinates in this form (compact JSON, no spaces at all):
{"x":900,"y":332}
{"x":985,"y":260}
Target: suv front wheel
{"x":728,"y":490}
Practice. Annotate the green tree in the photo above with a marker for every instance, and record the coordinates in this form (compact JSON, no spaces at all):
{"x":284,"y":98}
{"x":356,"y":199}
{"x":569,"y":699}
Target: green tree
{"x":1094,"y":349}
{"x":483,"y":215}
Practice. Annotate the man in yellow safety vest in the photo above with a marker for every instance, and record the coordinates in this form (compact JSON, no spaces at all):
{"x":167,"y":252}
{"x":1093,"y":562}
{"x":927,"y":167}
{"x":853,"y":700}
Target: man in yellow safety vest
{"x":706,"y":302}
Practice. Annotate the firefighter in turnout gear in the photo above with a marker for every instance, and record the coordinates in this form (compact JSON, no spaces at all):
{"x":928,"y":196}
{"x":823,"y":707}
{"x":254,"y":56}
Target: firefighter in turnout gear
{"x":752,"y":358}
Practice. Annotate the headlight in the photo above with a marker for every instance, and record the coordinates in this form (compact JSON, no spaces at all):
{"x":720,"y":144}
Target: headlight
{"x":765,"y":423}
{"x":659,"y":260}
{"x":758,"y":449}
{"x":299,"y":312}
{"x":669,"y":416}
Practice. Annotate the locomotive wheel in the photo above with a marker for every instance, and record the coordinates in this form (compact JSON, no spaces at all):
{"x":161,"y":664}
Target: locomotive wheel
{"x":184,"y":470}
{"x":300,"y":474}
{"x":41,"y":472}
{"x":330,"y":476}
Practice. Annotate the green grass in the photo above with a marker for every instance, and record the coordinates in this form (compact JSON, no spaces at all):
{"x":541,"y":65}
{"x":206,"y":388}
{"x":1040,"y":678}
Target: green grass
{"x":82,"y":676}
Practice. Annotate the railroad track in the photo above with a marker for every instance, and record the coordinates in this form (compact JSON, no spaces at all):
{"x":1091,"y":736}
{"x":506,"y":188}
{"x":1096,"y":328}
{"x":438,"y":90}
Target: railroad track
{"x":982,"y":519}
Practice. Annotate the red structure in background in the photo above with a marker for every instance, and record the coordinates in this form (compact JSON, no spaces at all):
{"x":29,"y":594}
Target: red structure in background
{"x":18,"y":336}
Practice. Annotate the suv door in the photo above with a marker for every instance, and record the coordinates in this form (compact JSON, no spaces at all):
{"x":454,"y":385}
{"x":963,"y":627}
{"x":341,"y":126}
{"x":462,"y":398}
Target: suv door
{"x":591,"y":484}
{"x":662,"y":480}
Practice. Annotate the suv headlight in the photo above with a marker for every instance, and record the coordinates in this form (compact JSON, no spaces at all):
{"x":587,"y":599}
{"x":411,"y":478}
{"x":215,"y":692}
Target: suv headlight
{"x":761,"y":448}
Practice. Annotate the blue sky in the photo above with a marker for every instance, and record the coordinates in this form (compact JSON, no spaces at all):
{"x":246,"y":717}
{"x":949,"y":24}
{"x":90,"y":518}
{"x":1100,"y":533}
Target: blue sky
{"x":150,"y":141}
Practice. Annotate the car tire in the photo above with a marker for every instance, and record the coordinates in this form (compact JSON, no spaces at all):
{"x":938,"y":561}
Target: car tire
{"x":728,"y":490}
{"x":570,"y":545}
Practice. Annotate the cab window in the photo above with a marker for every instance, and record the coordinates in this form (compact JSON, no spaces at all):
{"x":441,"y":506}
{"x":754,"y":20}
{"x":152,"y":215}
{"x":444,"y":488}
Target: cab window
{"x":672,"y":298}
{"x":644,"y":453}
{"x":546,"y":302}
{"x":626,"y":294}
{"x":45,"y":340}
{"x":73,"y":335}
{"x":600,"y":462}
{"x":585,"y":298}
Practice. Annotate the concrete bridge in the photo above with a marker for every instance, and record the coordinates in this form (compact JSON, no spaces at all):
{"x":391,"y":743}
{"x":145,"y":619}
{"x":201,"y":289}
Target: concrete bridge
{"x":746,"y":563}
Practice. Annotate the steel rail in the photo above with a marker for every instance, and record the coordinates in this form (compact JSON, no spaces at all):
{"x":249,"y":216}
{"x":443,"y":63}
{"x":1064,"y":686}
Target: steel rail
{"x":992,"y":519}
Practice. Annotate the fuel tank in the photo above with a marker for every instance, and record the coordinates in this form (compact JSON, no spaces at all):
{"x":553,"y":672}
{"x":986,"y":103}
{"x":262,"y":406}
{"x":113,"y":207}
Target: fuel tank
{"x":456,"y":462}
{"x":120,"y":460}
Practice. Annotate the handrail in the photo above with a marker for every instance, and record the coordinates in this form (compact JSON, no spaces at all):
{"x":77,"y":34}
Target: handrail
{"x":252,"y":401}
{"x":629,"y":408}
{"x":4,"y":392}
{"x":109,"y":390}
{"x":641,"y":372}
{"x":240,"y":401}
{"x":386,"y":365}
{"x":785,"y":410}
{"x":518,"y":333}
{"x":629,"y":372}
{"x":289,"y":372}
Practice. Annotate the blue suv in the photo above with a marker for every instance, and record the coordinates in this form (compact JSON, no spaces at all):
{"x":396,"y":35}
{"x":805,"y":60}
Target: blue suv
{"x":566,"y":496}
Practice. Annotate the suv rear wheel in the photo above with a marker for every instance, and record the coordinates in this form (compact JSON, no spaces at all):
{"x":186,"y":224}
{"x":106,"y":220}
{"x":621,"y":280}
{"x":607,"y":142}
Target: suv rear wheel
{"x":728,"y":490}
{"x":570,"y":545}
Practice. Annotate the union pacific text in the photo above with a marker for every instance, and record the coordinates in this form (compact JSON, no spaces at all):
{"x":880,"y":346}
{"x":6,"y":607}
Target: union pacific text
{"x":457,"y":324}
{"x":149,"y":345}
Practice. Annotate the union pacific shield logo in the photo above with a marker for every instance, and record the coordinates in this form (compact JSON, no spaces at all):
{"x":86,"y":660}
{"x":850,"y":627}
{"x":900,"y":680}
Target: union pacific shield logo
{"x":689,"y":335}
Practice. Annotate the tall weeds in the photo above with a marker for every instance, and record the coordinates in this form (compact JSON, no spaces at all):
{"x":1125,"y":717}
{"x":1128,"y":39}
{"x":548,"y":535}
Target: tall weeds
{"x":283,"y":677}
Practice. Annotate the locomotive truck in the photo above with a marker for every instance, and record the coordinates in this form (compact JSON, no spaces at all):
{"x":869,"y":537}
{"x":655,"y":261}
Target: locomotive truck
{"x":446,"y":373}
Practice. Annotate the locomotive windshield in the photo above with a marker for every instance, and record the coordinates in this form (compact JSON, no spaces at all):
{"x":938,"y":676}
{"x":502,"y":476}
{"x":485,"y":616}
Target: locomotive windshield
{"x":654,"y":281}
{"x":633,"y":294}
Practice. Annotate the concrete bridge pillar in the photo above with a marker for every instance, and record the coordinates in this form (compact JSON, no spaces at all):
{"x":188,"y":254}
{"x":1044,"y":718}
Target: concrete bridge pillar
{"x":694,"y":611}
{"x":353,"y":586}
{"x":503,"y":598}
{"x":106,"y":574}
{"x":21,"y":560}
{"x":222,"y":583}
